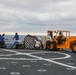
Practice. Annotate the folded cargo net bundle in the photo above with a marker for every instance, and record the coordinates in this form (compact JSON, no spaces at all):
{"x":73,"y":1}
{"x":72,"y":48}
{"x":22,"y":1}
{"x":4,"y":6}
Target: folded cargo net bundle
{"x":29,"y":41}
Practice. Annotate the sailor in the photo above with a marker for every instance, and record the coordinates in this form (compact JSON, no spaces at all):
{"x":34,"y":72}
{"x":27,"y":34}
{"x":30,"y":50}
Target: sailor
{"x":16,"y":37}
{"x":60,"y":38}
{"x":15,"y":44}
{"x":2,"y":40}
{"x":37,"y":44}
{"x":48,"y":39}
{"x":41,"y":42}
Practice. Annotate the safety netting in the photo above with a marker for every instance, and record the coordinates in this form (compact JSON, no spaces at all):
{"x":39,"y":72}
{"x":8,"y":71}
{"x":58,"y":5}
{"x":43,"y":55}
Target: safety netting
{"x":29,"y":41}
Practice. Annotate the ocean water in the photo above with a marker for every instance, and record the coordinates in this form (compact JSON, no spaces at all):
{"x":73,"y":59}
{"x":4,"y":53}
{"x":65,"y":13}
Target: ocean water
{"x":21,"y":37}
{"x":9,"y":38}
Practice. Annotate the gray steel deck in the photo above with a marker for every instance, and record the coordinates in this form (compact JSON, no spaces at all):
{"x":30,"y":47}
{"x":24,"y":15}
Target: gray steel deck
{"x":37,"y":62}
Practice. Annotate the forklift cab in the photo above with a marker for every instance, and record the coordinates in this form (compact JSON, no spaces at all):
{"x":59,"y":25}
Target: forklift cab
{"x":61,"y":36}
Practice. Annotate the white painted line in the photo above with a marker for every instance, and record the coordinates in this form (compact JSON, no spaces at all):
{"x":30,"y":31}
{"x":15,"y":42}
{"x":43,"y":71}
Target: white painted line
{"x":58,"y":63}
{"x":3,"y":68}
{"x":70,"y":69}
{"x":14,"y":73}
{"x":18,"y":59}
{"x":70,"y":63}
{"x":26,"y":65}
{"x":19,"y":53}
{"x":8,"y":54}
{"x":28,"y":50}
{"x":47,"y":64}
{"x":41,"y":70}
{"x":47,"y":52}
{"x":14,"y":62}
{"x":66,"y":55}
{"x":10,"y":50}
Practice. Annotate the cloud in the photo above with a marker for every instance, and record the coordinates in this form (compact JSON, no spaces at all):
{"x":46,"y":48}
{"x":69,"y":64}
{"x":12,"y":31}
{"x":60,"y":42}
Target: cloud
{"x":37,"y":15}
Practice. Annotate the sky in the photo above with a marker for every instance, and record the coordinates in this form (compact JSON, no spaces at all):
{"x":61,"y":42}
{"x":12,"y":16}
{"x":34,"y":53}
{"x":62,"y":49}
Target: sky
{"x":37,"y":16}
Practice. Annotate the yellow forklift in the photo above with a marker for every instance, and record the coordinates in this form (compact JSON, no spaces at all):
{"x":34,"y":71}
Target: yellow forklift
{"x":69,"y":42}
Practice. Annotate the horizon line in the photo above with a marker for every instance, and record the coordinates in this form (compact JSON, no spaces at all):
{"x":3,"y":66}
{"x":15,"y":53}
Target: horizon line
{"x":30,"y":33}
{"x":23,"y":33}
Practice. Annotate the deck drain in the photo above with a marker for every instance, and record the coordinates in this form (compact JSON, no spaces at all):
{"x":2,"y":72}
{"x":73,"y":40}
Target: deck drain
{"x":3,"y":68}
{"x":41,"y":70}
{"x":14,"y":73}
{"x":70,"y":69}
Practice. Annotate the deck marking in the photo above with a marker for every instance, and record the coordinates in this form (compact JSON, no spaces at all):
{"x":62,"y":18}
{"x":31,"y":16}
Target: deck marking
{"x":14,"y":73}
{"x":14,"y":62}
{"x":26,"y":65}
{"x":66,"y":55}
{"x":70,"y":63}
{"x":47,"y":64}
{"x":19,"y":59}
{"x":3,"y":68}
{"x":41,"y":70}
{"x":55,"y":62}
{"x":70,"y":68}
{"x":19,"y":53}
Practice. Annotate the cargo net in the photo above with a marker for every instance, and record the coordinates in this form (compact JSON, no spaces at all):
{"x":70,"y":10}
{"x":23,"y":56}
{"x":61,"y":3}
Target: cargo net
{"x":29,"y":41}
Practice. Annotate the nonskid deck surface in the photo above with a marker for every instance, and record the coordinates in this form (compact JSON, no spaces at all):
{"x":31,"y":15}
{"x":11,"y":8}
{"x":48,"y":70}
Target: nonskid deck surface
{"x":37,"y":62}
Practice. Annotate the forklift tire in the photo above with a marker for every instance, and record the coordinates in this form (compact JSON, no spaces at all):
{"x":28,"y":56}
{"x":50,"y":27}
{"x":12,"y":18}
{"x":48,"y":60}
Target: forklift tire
{"x":73,"y":47}
{"x":53,"y":46}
